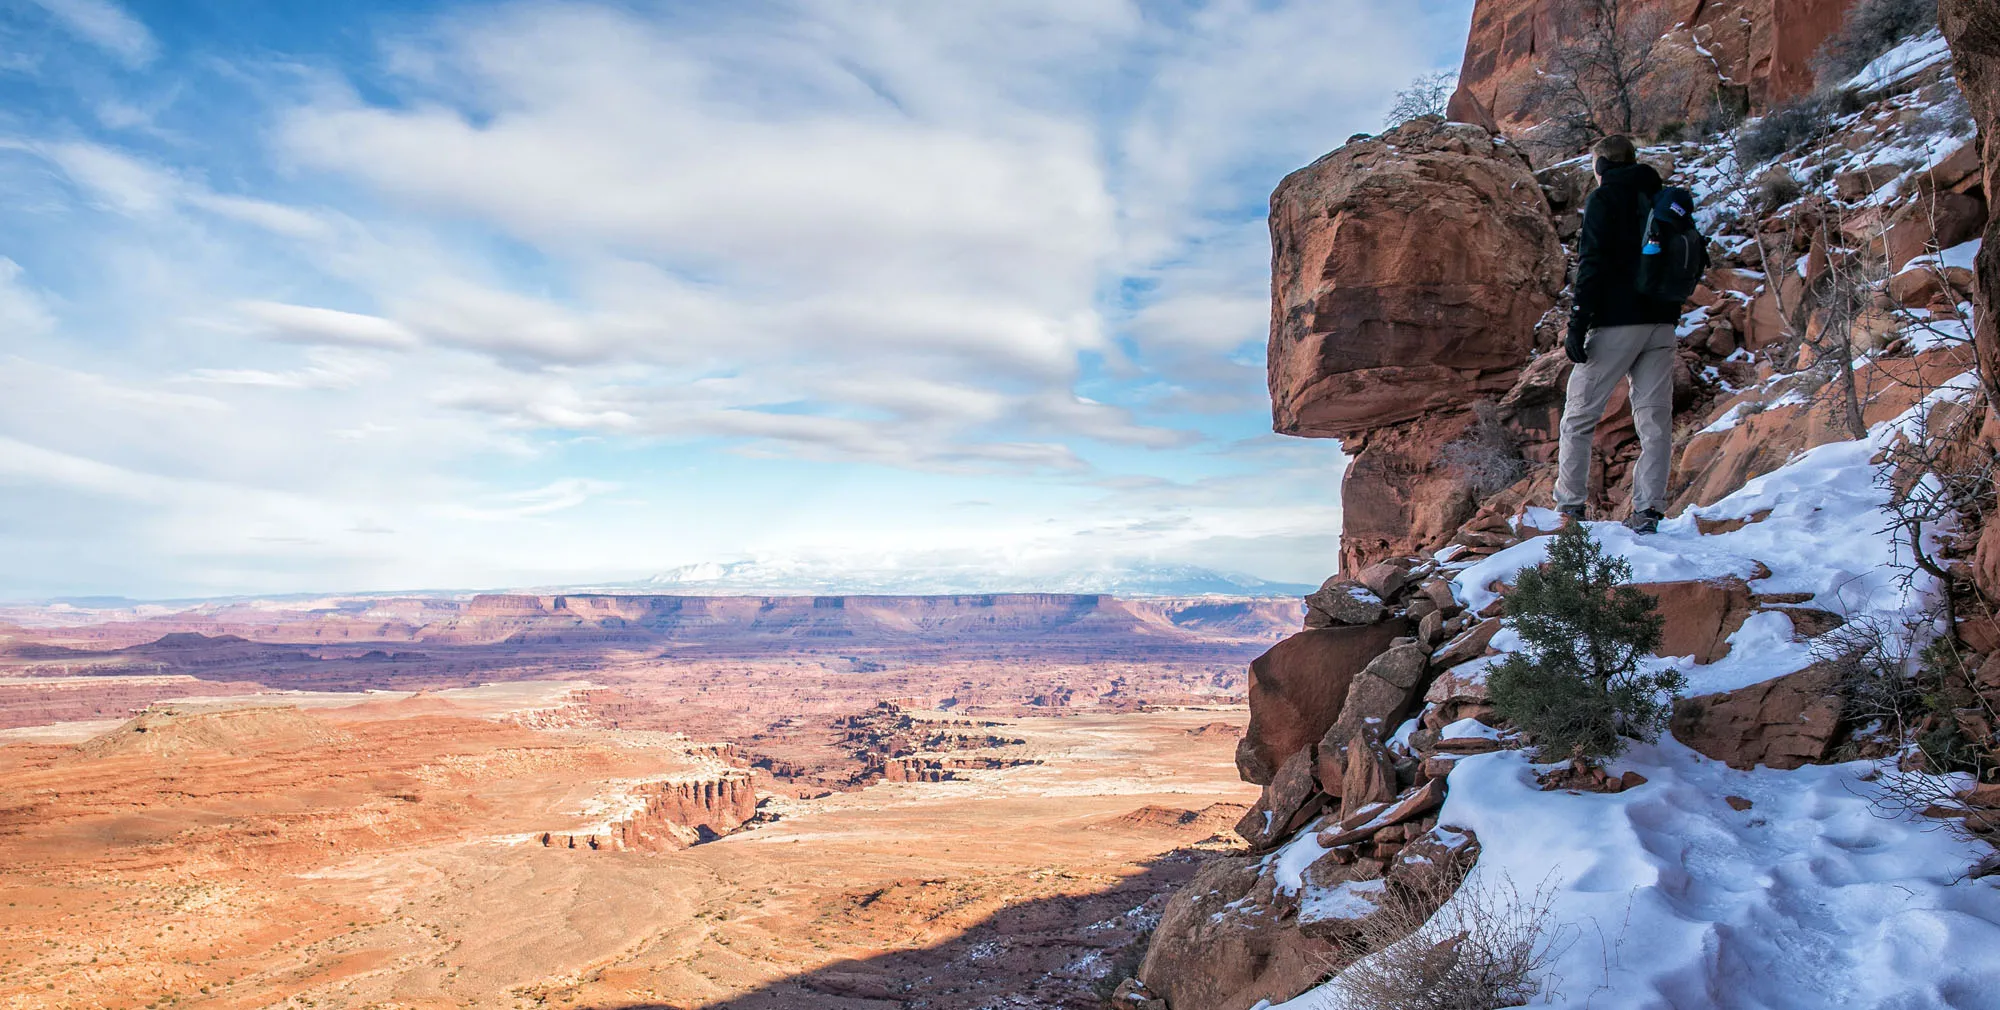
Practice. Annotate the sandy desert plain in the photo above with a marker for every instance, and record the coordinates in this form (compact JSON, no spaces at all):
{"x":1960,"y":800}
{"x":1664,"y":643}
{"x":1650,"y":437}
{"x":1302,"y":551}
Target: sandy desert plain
{"x":609,"y":802}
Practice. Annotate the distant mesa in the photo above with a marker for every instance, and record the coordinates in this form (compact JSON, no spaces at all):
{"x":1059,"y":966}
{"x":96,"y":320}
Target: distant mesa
{"x":1211,"y":818}
{"x":169,"y":733}
{"x":784,"y":577}
{"x":521,"y":619}
{"x":194,"y":640}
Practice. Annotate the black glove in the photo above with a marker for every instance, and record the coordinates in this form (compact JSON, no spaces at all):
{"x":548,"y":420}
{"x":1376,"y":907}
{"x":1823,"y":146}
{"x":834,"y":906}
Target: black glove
{"x":1573,"y":345}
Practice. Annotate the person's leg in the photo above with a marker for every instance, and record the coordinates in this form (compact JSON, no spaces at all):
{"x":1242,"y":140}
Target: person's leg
{"x":1611,"y":350}
{"x":1653,"y":415}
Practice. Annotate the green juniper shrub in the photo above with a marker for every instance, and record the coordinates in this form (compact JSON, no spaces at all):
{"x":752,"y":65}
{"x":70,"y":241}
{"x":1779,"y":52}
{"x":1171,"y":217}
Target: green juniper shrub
{"x":1577,"y":686}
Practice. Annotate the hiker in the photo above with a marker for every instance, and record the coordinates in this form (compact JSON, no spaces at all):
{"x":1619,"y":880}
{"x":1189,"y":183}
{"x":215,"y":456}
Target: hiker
{"x":1623,"y":325}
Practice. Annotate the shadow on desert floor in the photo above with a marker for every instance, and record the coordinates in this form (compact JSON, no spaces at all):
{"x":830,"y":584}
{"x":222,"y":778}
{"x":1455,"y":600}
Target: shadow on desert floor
{"x":1055,"y":953}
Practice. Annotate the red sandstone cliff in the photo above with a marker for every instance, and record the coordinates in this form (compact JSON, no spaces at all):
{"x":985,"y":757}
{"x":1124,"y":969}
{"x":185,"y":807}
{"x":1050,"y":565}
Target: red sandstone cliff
{"x":1759,"y":50}
{"x":1408,"y":273}
{"x":671,"y":815}
{"x":679,"y":812}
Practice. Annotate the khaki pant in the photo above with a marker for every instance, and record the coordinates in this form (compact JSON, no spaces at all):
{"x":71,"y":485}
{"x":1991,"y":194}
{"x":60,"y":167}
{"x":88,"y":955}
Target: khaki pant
{"x":1646,"y":352}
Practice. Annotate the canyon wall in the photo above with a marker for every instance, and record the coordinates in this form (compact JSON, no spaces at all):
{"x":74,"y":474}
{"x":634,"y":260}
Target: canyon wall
{"x":1759,"y":51}
{"x":1973,"y":29}
{"x":670,"y":815}
{"x":677,"y":813}
{"x":526,"y":619}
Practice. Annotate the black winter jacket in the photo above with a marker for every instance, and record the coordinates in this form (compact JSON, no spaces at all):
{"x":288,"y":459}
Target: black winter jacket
{"x":1607,"y":254}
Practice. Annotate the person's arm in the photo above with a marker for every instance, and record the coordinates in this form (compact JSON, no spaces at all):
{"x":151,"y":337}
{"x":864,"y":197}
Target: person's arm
{"x":1587,"y":290}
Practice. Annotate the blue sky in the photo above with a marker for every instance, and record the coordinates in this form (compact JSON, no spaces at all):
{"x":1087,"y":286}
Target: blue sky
{"x":369,"y":295}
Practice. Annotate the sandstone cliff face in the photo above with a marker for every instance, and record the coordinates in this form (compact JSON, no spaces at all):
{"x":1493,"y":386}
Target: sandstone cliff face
{"x":669,"y":815}
{"x":1973,"y":29}
{"x":1408,"y":273}
{"x":1411,"y":274}
{"x":1760,"y":50}
{"x":676,"y":813}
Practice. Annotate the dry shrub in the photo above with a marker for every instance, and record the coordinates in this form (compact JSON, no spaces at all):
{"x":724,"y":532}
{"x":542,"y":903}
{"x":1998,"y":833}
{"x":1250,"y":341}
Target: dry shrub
{"x":1427,"y":95}
{"x":1787,"y":126}
{"x":1612,"y":70}
{"x":1485,"y":456}
{"x":1486,"y":948}
{"x":1938,"y":478}
{"x":1918,"y":703}
{"x":1951,"y":116}
{"x":1871,"y":28}
{"x":1775,"y":189}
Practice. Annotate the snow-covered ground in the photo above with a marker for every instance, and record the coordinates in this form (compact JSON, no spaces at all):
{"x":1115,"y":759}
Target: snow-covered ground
{"x":1819,"y":894}
{"x":1816,"y":896}
{"x":1825,"y":533}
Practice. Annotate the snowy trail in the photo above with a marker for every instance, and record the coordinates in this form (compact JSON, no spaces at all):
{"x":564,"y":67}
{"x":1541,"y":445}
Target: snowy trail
{"x":1816,"y":895}
{"x":1808,"y":899}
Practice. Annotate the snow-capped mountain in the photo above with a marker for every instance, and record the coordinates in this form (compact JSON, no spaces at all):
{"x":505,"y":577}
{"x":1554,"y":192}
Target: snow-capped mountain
{"x":778,"y":576}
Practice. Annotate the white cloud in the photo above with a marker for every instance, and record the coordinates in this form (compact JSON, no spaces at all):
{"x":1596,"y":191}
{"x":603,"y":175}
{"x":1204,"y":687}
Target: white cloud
{"x":118,"y":181}
{"x":106,"y":25}
{"x":325,"y":369}
{"x":23,"y":310}
{"x":557,"y":496}
{"x":782,"y":271}
{"x":290,"y":222}
{"x":310,"y":325}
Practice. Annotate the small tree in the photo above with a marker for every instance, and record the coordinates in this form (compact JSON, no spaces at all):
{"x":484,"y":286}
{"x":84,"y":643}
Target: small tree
{"x":1612,"y":70}
{"x":1576,"y":686}
{"x":1428,"y":95}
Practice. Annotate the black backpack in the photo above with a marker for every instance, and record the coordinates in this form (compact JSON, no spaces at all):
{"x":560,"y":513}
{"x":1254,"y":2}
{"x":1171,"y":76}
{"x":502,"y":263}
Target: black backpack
{"x":1674,"y":257}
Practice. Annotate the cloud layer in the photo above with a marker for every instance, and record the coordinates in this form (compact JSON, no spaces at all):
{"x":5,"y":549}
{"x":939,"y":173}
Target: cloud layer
{"x":546,"y":291}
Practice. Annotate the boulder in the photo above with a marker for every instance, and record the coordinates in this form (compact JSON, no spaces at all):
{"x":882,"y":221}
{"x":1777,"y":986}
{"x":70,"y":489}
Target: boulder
{"x":1861,"y":182}
{"x":1369,"y":776}
{"x":1453,"y":696}
{"x":1341,"y":601}
{"x":1700,"y":615}
{"x":1377,"y":699}
{"x":1919,"y":286}
{"x":1721,"y":339}
{"x":1339,"y":899}
{"x":1471,"y":644}
{"x":1958,"y":171}
{"x":1297,"y":689}
{"x":1408,"y":274}
{"x":1944,"y":221}
{"x":1387,"y":579}
{"x":1438,"y":591}
{"x":1783,"y":723}
{"x":1369,"y":819}
{"x":1134,"y":995}
{"x":1430,"y":630}
{"x":1291,"y":798}
{"x":1222,"y":945}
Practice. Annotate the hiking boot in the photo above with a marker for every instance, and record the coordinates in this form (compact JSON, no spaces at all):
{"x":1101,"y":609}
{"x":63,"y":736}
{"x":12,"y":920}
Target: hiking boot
{"x":1645,"y":521}
{"x":1570,"y":513}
